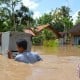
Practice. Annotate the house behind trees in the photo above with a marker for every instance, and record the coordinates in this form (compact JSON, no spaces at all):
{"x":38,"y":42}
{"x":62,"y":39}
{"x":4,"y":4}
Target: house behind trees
{"x":75,"y":35}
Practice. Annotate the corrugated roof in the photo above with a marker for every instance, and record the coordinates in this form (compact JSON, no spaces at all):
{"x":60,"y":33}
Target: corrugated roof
{"x":48,"y":26}
{"x":28,"y":31}
{"x":40,"y":28}
{"x":75,"y":29}
{"x":35,"y":31}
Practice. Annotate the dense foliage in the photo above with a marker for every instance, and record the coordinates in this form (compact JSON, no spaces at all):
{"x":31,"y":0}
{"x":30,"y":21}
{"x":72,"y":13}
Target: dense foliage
{"x":15,"y":16}
{"x":12,"y":17}
{"x":60,"y":19}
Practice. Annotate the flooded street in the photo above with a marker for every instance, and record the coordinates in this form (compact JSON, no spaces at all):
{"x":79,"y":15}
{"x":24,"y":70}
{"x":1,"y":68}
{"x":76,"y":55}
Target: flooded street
{"x":59,"y":63}
{"x":58,"y":51}
{"x":56,"y":68}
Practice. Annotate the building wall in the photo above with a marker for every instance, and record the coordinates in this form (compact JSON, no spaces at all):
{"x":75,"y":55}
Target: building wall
{"x":76,"y":40}
{"x":61,"y":41}
{"x":5,"y":43}
{"x":9,"y":41}
{"x":19,"y":35}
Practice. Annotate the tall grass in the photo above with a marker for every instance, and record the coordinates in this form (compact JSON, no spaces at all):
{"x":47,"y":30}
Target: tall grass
{"x":51,"y":43}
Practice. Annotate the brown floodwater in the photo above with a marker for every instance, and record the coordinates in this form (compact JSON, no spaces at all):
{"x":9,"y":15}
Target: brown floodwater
{"x":59,"y":63}
{"x":58,"y":51}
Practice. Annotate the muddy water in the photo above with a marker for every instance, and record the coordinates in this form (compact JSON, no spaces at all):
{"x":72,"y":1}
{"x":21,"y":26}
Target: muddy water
{"x":59,"y":63}
{"x":56,"y":68}
{"x":58,"y":51}
{"x":51,"y":68}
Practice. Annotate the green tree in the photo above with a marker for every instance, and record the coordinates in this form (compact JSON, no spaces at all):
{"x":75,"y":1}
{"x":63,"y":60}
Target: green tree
{"x":4,"y":19}
{"x":7,"y":14}
{"x":45,"y":34}
{"x":59,"y":18}
{"x":10,"y":5}
{"x":44,"y":19}
{"x":62,"y":19}
{"x":78,"y":18}
{"x":12,"y":18}
{"x":23,"y":18}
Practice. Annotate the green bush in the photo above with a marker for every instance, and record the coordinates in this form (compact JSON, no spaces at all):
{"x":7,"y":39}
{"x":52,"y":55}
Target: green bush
{"x":51,"y":43}
{"x":38,"y":40}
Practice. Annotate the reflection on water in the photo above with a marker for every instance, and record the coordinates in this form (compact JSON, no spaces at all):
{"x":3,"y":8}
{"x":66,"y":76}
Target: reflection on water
{"x":59,"y":51}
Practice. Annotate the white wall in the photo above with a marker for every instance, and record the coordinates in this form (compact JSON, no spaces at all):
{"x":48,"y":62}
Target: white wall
{"x":9,"y":41}
{"x":19,"y":35}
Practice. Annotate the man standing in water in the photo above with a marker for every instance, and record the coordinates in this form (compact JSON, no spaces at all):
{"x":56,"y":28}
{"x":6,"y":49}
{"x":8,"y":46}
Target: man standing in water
{"x":24,"y":56}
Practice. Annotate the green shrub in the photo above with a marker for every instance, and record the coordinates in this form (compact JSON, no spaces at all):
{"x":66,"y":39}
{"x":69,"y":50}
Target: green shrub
{"x":51,"y":43}
{"x":38,"y":40}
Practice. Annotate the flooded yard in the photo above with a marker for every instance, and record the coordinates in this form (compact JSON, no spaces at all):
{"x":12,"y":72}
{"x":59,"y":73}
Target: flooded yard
{"x":59,"y":63}
{"x":58,"y":51}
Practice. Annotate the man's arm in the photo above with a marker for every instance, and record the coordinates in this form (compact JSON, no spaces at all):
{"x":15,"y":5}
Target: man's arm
{"x":10,"y":56}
